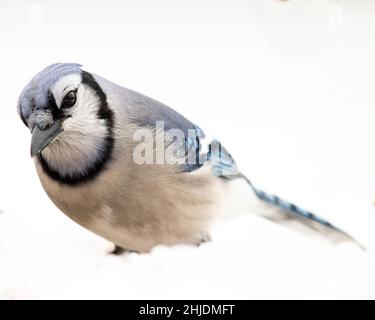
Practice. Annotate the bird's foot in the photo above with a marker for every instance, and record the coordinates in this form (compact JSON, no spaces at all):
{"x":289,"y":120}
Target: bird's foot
{"x":117,"y":250}
{"x":205,"y":238}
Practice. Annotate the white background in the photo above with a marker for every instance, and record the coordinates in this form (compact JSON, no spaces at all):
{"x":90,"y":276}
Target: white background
{"x":288,"y":86}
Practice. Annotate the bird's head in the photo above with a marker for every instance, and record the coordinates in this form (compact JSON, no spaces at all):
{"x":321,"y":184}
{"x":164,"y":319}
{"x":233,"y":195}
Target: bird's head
{"x":71,"y":123}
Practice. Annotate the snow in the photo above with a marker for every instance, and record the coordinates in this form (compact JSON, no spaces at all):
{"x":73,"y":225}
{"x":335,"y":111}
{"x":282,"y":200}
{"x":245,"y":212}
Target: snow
{"x":249,"y":257}
{"x":297,"y":79}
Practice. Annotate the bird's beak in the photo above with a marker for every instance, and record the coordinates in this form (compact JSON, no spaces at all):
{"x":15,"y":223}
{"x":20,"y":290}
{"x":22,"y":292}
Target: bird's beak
{"x":40,"y":139}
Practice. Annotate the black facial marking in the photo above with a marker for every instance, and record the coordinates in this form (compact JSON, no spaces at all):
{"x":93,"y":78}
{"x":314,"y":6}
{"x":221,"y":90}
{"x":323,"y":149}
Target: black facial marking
{"x":56,"y":112}
{"x":98,"y":165}
{"x":104,"y":112}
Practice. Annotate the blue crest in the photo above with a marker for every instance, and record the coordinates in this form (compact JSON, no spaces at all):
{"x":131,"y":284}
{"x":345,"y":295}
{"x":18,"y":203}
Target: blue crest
{"x":35,"y":94}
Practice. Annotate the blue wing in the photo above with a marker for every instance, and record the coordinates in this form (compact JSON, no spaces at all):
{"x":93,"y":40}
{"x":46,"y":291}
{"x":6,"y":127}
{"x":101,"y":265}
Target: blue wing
{"x":215,"y":155}
{"x":145,"y":112}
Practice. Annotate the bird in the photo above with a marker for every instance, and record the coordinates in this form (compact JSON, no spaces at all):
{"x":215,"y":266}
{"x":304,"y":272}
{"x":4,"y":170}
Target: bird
{"x":129,"y":168}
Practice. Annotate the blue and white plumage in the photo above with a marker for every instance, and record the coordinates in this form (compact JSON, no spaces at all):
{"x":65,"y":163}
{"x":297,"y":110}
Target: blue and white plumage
{"x":84,"y":145}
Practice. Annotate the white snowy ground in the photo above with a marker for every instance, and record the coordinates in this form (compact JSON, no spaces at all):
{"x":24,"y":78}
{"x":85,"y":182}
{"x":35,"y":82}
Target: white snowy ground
{"x":288,"y":86}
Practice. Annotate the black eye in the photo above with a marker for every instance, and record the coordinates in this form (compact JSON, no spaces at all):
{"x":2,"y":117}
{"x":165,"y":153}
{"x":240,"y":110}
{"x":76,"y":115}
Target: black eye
{"x":69,"y":99}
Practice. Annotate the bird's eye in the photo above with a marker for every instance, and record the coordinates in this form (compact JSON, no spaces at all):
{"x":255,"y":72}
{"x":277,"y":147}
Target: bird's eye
{"x":70,"y":99}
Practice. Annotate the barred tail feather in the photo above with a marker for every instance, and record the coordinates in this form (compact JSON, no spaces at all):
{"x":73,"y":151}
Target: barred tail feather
{"x":292,"y":208}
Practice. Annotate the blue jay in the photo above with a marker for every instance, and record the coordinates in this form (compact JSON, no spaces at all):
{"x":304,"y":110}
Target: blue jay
{"x":127,"y":167}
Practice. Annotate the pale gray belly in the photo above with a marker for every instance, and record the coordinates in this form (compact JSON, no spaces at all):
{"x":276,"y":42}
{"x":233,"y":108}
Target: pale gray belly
{"x":168,"y":210}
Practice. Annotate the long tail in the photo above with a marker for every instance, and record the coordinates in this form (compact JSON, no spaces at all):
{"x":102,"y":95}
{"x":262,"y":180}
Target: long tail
{"x":289,"y":207}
